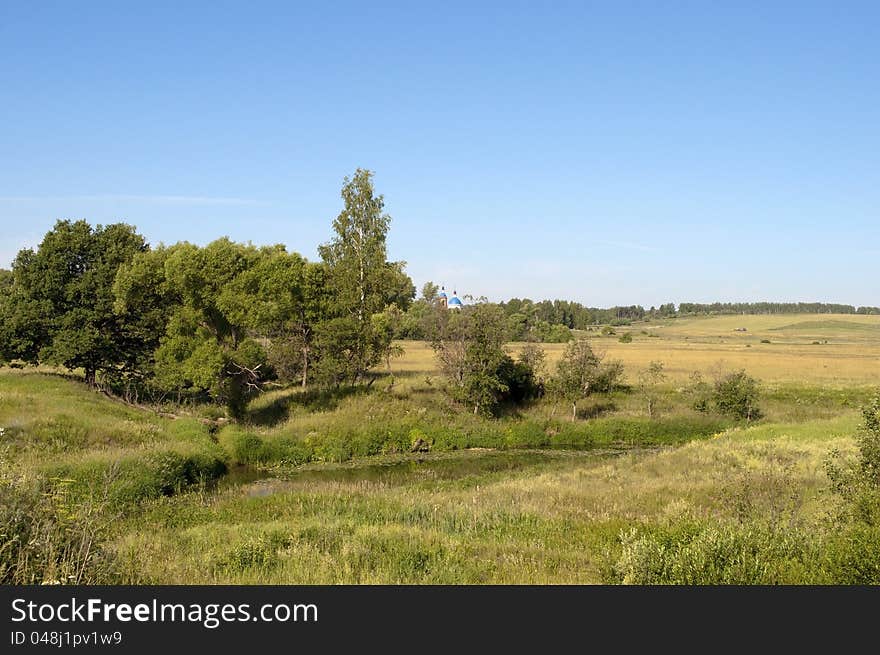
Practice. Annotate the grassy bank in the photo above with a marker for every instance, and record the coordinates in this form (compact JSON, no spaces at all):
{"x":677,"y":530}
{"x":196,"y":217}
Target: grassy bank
{"x":397,"y":484}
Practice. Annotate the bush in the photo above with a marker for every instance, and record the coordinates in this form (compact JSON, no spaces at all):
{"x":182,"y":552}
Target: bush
{"x":852,"y":556}
{"x":858,"y":482}
{"x":869,"y":443}
{"x":626,"y":337}
{"x":736,"y":394}
{"x":716,"y":554}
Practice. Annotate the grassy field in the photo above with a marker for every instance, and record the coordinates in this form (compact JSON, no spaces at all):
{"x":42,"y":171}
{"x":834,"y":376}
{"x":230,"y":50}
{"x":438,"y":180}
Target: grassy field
{"x":322,"y":488}
{"x":833,"y":351}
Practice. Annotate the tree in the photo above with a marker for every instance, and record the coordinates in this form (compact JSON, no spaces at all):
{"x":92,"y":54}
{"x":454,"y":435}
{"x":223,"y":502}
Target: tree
{"x":363,"y":282}
{"x":469,"y":346}
{"x":534,"y":357}
{"x":649,"y":380}
{"x":736,"y":394}
{"x":61,"y":305}
{"x":430,"y":292}
{"x":699,"y":392}
{"x":207,"y":345}
{"x":145,"y":301}
{"x":581,"y":372}
{"x":281,"y":299}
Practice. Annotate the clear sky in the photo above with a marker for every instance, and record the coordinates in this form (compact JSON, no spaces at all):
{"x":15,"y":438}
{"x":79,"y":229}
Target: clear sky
{"x":610,"y":153}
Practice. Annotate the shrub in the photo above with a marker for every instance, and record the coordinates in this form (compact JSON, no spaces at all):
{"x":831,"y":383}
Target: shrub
{"x":852,"y":555}
{"x":716,"y":554}
{"x":869,"y":443}
{"x":626,"y":337}
{"x":858,"y":482}
{"x":736,"y":394}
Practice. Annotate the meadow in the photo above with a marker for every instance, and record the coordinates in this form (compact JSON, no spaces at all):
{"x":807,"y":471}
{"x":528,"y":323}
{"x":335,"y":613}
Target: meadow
{"x":396,"y":484}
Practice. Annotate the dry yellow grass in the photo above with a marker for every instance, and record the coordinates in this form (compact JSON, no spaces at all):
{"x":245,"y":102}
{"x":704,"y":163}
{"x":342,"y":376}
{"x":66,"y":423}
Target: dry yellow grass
{"x":848,"y":352}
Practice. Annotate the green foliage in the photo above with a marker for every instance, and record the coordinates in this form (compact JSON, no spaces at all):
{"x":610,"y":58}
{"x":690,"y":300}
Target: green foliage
{"x":363,"y":284}
{"x":131,"y":479}
{"x":582,"y":372}
{"x":261,"y":552}
{"x":469,"y":345}
{"x":694,"y":554}
{"x":869,"y":443}
{"x":47,"y":538}
{"x":699,"y":392}
{"x":430,"y":292}
{"x":60,"y":306}
{"x":858,"y":482}
{"x":207,"y":347}
{"x":649,"y":381}
{"x":626,"y":337}
{"x":736,"y":394}
{"x":282,"y":298}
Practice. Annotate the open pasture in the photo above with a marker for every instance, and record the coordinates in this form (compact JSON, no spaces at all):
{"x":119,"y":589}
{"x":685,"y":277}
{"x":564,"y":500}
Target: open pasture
{"x":847,"y":352}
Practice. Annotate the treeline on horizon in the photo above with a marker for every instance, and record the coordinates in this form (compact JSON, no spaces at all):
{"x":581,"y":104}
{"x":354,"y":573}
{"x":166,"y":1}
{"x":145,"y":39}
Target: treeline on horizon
{"x":579,"y":317}
{"x":552,"y":321}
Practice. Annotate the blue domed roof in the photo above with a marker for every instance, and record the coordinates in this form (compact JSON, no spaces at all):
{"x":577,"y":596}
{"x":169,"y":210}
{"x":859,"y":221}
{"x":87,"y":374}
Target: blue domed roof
{"x":455,"y":301}
{"x":442,"y":294}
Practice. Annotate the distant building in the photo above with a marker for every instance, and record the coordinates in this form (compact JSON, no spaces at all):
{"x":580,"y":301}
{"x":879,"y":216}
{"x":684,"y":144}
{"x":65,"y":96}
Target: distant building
{"x":449,"y":303}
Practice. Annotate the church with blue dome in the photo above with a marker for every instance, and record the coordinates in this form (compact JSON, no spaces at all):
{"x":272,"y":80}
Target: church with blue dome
{"x":449,"y":303}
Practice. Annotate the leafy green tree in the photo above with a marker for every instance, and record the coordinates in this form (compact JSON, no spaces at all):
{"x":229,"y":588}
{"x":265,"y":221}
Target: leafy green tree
{"x":736,"y":394}
{"x":207,"y":346}
{"x":281,"y":299}
{"x":582,"y":372}
{"x":412,"y":324}
{"x":469,"y":346}
{"x":145,"y":301}
{"x":363,"y":283}
{"x":534,"y":357}
{"x":60,"y":309}
{"x":430,"y":292}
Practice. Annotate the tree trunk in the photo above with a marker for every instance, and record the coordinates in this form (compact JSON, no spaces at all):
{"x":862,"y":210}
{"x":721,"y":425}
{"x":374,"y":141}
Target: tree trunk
{"x":574,"y":409}
{"x":90,"y":376}
{"x":305,"y":367}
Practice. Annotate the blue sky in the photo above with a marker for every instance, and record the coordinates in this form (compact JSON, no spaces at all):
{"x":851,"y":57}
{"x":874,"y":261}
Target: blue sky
{"x":619,"y":152}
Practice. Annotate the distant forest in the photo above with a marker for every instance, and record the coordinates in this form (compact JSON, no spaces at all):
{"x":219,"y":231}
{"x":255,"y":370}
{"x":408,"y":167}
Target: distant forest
{"x":578,"y":317}
{"x":551,"y":321}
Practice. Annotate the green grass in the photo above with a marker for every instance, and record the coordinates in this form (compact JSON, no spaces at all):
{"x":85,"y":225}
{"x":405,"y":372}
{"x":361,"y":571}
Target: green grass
{"x":530,"y":497}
